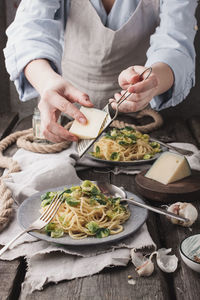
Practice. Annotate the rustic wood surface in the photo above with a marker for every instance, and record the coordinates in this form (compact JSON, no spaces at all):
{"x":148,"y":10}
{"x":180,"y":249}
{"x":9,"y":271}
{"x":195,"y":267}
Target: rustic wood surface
{"x":112,"y":283}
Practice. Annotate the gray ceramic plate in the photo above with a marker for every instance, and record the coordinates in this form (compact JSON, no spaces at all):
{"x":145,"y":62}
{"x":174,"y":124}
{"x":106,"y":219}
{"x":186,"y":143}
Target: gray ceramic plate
{"x":29,"y":212}
{"x":125,"y":163}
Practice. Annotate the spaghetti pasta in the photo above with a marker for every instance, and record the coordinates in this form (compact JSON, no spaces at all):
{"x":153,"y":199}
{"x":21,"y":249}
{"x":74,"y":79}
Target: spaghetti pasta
{"x":85,"y":212}
{"x":125,"y":144}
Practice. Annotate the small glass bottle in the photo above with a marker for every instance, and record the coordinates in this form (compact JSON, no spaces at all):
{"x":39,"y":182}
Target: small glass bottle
{"x":36,"y":123}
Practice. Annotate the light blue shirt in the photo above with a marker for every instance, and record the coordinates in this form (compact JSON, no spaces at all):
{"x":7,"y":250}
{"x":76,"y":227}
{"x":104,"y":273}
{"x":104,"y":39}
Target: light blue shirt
{"x":38,"y":30}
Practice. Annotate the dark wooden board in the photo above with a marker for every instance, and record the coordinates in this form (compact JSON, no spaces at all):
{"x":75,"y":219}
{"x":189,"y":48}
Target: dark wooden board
{"x":186,"y":189}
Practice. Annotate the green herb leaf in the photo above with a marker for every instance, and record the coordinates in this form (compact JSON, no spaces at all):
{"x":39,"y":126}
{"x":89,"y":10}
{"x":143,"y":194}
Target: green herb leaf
{"x":57,"y":233}
{"x":154,"y":144}
{"x":95,"y":191}
{"x":68,"y":191}
{"x":100,"y":199}
{"x":50,"y":227}
{"x":114,"y":156}
{"x":102,"y":232}
{"x":123,"y":143}
{"x":129,"y":128}
{"x":72,"y":201}
{"x":45,"y":196}
{"x":46,"y":202}
{"x":87,"y":185}
{"x":147,"y":156}
{"x":97,"y":149}
{"x":132,"y":136}
{"x":92,"y":226}
{"x":115,"y":201}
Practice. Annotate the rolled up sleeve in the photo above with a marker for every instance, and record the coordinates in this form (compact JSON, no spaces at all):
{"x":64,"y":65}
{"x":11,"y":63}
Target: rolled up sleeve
{"x":173,"y":44}
{"x":35,"y":33}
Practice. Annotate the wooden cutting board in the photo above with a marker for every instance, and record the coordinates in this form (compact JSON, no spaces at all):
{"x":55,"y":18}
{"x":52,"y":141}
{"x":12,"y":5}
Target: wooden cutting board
{"x":187,"y":189}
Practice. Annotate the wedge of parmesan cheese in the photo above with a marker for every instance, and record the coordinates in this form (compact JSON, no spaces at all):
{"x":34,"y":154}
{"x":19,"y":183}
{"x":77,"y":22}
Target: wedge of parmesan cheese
{"x":168,"y":168}
{"x":90,"y":130}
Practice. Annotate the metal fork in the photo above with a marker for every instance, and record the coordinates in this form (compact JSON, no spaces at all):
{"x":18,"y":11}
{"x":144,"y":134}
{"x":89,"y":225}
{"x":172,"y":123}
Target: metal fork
{"x":156,"y":209}
{"x":42,"y":221}
{"x":174,"y":148}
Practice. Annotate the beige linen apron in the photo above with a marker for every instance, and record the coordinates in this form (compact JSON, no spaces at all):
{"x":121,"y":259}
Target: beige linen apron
{"x":94,"y":55}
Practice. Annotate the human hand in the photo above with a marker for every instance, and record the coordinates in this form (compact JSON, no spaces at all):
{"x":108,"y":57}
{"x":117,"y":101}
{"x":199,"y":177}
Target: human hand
{"x":59,"y":96}
{"x":142,"y":90}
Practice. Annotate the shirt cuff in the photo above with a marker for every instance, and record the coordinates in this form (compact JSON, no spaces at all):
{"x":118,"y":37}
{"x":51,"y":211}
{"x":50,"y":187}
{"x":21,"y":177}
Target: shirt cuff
{"x":184,"y":77}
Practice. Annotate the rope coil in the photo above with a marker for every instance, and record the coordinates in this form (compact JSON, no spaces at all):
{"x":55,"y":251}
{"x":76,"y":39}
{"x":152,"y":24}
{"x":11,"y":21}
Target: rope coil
{"x":157,"y":121}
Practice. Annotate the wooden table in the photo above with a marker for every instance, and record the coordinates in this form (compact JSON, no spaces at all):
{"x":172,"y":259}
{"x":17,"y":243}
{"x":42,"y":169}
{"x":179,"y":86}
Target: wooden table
{"x":112,"y":283}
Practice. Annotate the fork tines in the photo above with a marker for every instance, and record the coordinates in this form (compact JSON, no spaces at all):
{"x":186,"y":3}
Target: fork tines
{"x":50,"y":212}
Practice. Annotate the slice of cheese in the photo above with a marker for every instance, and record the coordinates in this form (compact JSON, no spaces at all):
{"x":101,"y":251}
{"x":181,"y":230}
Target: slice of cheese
{"x":90,"y":130}
{"x":168,"y":168}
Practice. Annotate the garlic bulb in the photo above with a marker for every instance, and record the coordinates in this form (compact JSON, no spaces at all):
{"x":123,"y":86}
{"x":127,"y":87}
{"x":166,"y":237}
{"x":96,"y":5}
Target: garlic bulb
{"x":144,"y":266}
{"x":183,"y":209}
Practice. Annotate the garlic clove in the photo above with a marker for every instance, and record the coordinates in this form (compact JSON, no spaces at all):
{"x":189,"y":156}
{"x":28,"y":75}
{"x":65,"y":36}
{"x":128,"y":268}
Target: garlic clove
{"x":183,"y":209}
{"x":137,"y":258}
{"x":146,"y":269}
{"x":167,"y":263}
{"x":144,"y":266}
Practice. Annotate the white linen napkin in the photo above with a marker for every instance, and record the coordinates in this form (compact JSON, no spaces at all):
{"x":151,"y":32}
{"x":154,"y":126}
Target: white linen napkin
{"x":50,"y":262}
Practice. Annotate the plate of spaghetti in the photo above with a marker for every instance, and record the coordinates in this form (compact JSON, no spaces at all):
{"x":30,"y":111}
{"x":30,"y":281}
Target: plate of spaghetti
{"x":125,"y":146}
{"x":87,"y":216}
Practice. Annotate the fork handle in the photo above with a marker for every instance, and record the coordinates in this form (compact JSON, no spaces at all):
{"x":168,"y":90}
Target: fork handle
{"x":12,"y":241}
{"x":177,"y":149}
{"x":156,"y":209}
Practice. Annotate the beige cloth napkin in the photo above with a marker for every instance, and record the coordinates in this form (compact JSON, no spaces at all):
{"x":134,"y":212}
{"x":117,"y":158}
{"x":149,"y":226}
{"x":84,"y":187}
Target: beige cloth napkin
{"x":50,"y":262}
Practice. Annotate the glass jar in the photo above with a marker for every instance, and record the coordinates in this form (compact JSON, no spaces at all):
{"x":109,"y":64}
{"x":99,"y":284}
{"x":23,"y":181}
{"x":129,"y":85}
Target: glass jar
{"x":36,"y":123}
